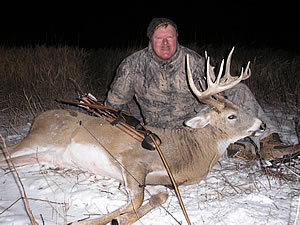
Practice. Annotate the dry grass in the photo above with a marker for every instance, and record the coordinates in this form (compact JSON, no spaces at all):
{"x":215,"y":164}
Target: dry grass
{"x":102,"y":66}
{"x":33,"y":77}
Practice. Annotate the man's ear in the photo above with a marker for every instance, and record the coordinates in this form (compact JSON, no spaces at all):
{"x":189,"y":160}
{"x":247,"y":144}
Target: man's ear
{"x":198,"y":121}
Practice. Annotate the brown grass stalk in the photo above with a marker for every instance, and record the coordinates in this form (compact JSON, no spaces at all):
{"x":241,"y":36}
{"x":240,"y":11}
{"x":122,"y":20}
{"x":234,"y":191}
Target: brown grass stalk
{"x":7,"y":155}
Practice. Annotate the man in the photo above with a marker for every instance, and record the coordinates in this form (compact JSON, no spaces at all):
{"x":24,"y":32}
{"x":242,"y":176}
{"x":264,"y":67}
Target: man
{"x":155,"y":79}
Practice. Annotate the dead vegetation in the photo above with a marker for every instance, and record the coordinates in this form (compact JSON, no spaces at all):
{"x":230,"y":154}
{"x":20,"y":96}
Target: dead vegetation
{"x":33,"y":77}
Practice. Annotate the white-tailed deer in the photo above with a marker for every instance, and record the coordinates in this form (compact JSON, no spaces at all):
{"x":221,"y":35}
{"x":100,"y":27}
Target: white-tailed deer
{"x":70,"y":139}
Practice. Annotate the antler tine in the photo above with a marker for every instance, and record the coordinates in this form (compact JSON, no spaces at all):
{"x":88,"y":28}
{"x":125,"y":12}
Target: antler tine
{"x":220,"y":72}
{"x":216,"y":85}
{"x":209,"y":69}
{"x":230,"y":81}
{"x":210,"y":84}
{"x":227,"y":67}
{"x":190,"y":78}
{"x":247,"y":72}
{"x":205,"y":96}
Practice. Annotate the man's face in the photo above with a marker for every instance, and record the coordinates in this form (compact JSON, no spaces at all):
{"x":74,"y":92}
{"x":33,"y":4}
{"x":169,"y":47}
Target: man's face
{"x":164,"y":42}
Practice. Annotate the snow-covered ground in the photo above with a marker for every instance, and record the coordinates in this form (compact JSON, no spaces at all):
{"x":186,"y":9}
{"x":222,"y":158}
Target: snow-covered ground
{"x":234,"y":192}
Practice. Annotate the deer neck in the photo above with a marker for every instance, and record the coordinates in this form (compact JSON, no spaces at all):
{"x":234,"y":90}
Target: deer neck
{"x":190,"y":147}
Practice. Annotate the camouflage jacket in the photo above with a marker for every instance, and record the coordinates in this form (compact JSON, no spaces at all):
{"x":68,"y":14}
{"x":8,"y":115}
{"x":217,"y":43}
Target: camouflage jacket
{"x":160,"y":88}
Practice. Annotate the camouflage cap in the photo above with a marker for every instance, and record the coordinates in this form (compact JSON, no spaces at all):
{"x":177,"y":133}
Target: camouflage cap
{"x":156,"y":23}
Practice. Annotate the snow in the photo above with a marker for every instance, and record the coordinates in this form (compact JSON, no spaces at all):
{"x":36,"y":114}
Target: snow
{"x":234,"y":192}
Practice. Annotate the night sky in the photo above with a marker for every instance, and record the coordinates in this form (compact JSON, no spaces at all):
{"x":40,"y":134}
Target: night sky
{"x":91,"y":26}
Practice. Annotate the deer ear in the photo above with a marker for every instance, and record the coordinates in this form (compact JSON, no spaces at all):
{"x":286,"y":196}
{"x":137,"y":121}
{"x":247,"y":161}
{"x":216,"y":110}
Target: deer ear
{"x":198,"y":121}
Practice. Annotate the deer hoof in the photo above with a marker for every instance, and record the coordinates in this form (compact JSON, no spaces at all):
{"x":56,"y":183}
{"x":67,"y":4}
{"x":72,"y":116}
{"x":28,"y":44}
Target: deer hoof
{"x":158,"y":199}
{"x":114,"y":222}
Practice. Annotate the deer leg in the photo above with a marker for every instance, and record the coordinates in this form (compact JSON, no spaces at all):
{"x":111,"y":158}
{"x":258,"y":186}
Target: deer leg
{"x":155,"y":201}
{"x":24,"y":160}
{"x":134,"y":183}
{"x":132,"y":205}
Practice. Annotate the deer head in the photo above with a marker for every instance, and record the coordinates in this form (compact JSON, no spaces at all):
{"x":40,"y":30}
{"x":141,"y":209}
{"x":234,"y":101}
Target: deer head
{"x":210,"y":95}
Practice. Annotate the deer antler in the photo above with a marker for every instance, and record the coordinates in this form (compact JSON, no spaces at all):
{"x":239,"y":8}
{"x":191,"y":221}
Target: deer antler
{"x":221,"y":83}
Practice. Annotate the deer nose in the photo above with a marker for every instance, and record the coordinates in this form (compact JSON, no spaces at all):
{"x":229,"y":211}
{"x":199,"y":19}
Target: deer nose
{"x":258,"y":130}
{"x":263,"y":126}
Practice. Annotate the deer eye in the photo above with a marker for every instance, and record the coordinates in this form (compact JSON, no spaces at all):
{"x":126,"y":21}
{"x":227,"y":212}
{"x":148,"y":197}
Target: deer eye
{"x":231,"y":117}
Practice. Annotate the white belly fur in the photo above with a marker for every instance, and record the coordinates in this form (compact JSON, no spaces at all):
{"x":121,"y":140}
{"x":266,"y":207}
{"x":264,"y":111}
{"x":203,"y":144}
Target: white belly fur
{"x":88,"y":157}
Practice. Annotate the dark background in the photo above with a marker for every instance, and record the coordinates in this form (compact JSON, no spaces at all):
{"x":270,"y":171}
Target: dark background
{"x":95,"y":25}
